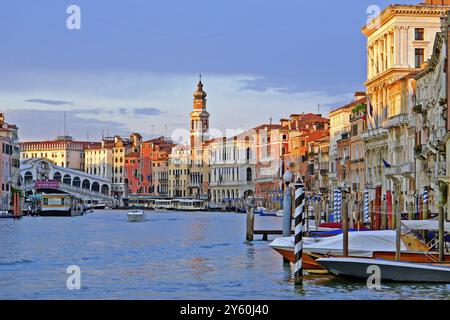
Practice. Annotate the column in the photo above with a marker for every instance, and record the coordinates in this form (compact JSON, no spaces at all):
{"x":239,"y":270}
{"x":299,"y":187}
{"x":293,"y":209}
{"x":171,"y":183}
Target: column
{"x":397,"y":46}
{"x":405,"y":46}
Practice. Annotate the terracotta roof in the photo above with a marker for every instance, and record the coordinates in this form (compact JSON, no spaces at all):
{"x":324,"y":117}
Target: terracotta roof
{"x":351,"y":104}
{"x":133,"y":155}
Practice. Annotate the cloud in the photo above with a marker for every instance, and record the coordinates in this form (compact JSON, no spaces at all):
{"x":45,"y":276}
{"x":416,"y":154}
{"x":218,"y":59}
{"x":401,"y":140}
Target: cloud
{"x":49,"y":102}
{"x":51,"y":124}
{"x":234,"y":101}
{"x":148,"y":111}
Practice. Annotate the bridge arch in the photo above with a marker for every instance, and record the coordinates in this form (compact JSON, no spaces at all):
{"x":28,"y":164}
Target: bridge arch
{"x":67,"y":179}
{"x":57,"y":176}
{"x":86,"y":184}
{"x":76,"y":182}
{"x":28,"y":177}
{"x":95,"y":187}
{"x":105,"y":189}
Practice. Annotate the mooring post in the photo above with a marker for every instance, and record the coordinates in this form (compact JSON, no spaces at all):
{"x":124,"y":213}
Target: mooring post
{"x":250,"y":219}
{"x":345,"y":223}
{"x":287,"y":217}
{"x":299,"y":230}
{"x":441,"y":233}
{"x":398,"y":228}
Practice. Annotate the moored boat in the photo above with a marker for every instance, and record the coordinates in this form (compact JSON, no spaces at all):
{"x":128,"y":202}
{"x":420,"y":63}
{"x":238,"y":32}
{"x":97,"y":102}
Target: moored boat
{"x":367,"y":244}
{"x":389,"y":270}
{"x":362,"y":244}
{"x":136,"y":216}
{"x":60,"y":205}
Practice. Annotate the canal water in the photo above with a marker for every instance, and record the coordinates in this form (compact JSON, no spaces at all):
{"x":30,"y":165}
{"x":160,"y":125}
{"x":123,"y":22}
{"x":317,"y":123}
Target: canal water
{"x":172,"y":255}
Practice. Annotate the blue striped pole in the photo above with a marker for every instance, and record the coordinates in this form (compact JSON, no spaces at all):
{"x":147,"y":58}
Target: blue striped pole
{"x":338,"y":206}
{"x":366,"y":206}
{"x":335,"y":201}
{"x":425,"y":197}
{"x":300,"y":203}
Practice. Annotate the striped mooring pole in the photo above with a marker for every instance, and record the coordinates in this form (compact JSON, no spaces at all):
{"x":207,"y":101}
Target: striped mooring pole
{"x":366,"y":206}
{"x":300,"y":203}
{"x":337,"y":205}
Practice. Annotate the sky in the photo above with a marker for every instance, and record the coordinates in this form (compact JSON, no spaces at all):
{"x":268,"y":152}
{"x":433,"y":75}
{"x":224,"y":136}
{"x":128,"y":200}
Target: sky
{"x":133,"y":65}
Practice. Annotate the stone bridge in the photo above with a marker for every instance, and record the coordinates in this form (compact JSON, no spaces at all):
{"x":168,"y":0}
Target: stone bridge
{"x":44,"y":174}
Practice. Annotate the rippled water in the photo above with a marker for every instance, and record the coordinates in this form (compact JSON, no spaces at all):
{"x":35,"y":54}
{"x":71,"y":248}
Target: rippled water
{"x":172,"y":255}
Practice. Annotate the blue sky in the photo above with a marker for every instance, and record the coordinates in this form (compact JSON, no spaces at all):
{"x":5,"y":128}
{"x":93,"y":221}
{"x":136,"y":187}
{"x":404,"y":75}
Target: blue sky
{"x":134,"y":64}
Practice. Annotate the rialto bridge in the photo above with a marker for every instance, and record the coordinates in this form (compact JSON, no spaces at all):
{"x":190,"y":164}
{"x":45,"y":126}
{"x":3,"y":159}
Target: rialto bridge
{"x":40,"y":173}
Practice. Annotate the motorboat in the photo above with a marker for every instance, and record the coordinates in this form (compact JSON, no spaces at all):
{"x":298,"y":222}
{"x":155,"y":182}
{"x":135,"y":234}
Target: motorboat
{"x":136,"y":216}
{"x":362,"y":244}
{"x":361,"y":268}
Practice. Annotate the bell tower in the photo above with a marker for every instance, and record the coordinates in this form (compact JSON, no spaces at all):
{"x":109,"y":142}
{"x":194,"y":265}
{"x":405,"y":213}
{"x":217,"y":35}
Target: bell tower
{"x":199,"y":119}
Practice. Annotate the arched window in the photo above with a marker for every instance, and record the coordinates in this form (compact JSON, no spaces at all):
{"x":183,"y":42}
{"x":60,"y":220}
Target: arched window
{"x":249,"y":175}
{"x":248,"y":155}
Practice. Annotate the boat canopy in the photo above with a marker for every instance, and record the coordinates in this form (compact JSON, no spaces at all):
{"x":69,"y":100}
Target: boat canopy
{"x":430,"y":225}
{"x":361,"y":244}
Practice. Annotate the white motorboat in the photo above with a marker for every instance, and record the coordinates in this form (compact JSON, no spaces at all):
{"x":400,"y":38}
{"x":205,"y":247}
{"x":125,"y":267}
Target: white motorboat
{"x":389,"y":270}
{"x":136,"y":216}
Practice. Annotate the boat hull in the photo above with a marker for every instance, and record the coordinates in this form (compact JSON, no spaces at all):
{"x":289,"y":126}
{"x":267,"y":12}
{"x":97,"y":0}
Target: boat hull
{"x":310,"y":259}
{"x":389,"y":270}
{"x":59,"y":213}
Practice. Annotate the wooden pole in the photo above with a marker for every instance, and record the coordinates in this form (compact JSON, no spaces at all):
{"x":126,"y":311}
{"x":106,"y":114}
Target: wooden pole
{"x":441,"y":233}
{"x":398,"y":228}
{"x":317,"y":214}
{"x":250,"y":220}
{"x":299,"y":230}
{"x":345,"y":223}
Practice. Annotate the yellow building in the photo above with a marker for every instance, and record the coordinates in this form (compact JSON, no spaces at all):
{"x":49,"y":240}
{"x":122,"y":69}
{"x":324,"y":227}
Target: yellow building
{"x":179,"y":171}
{"x":63,"y":151}
{"x":399,"y":41}
{"x":99,"y":159}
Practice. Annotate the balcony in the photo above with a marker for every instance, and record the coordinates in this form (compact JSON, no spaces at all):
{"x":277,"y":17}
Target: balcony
{"x":375,"y":134}
{"x":405,"y":170}
{"x":394,"y":171}
{"x":396,"y":121}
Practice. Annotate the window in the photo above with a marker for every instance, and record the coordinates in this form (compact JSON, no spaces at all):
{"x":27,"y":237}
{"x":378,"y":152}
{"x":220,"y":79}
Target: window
{"x":355,"y":130}
{"x":420,"y":53}
{"x":419,"y":34}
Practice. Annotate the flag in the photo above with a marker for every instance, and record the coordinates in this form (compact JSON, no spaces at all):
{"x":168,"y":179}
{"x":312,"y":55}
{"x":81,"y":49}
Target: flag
{"x":386,"y":164}
{"x":371,"y":123}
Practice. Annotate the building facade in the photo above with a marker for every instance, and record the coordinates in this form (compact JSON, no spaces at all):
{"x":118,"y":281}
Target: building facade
{"x":10,"y":163}
{"x":232,"y":165}
{"x":63,"y":151}
{"x":430,"y":110}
